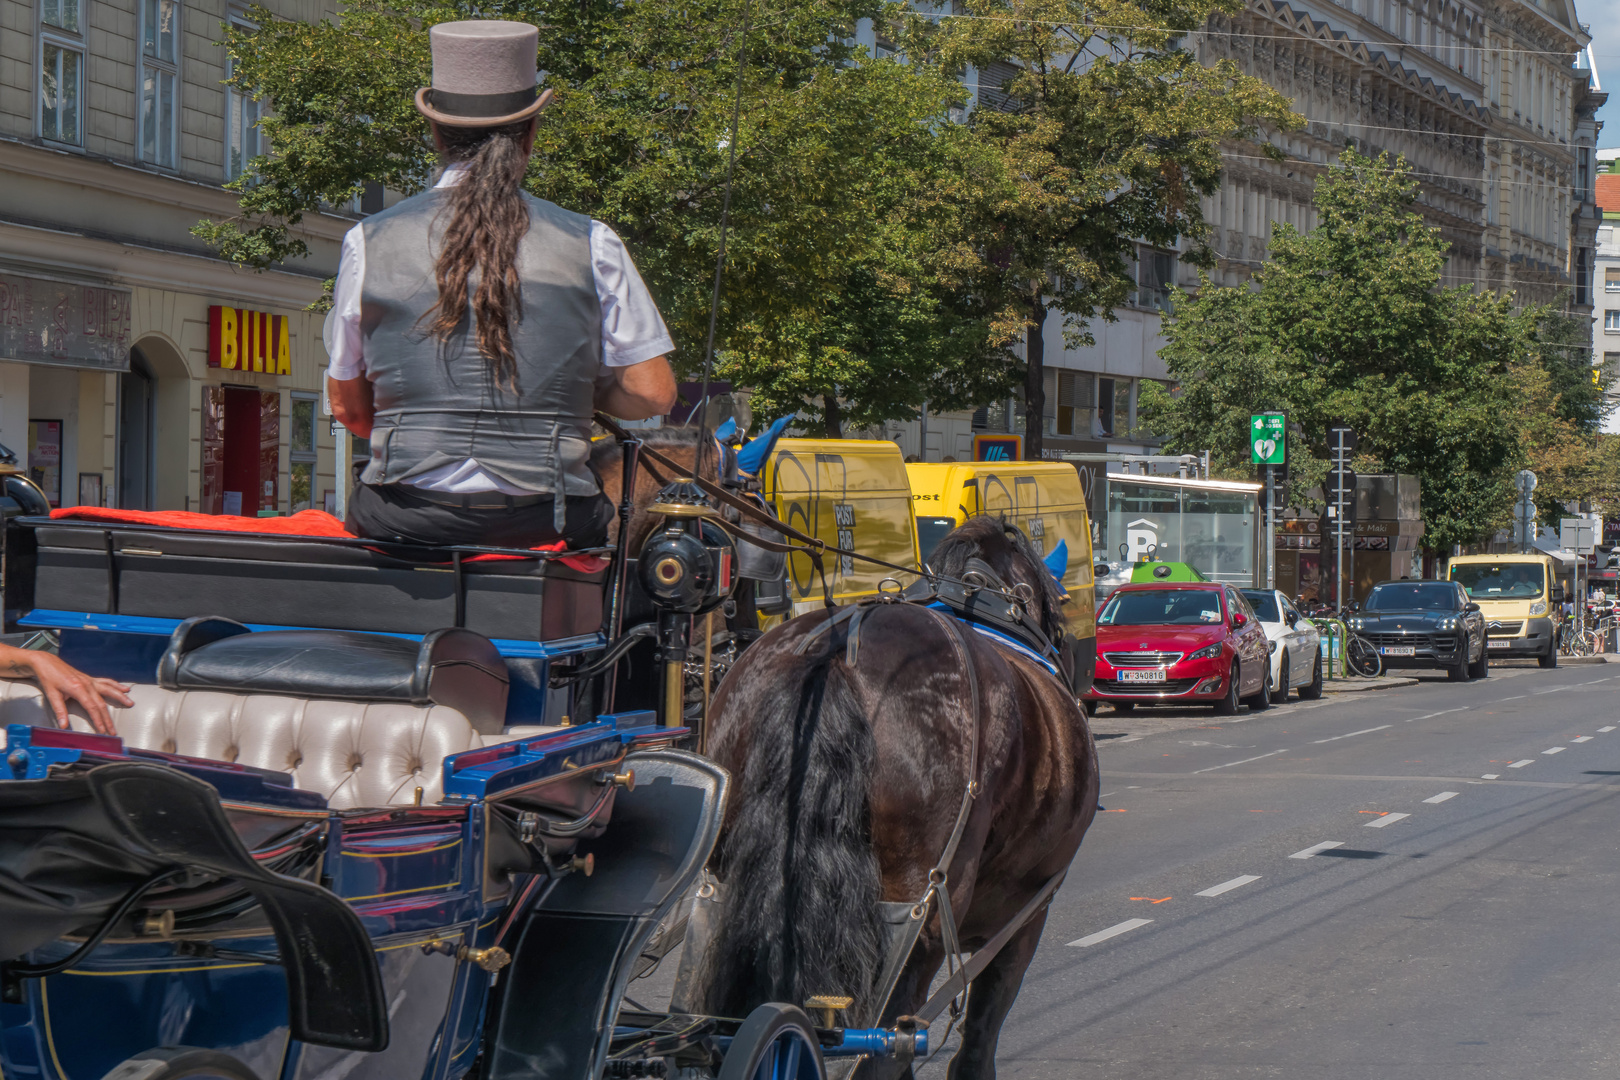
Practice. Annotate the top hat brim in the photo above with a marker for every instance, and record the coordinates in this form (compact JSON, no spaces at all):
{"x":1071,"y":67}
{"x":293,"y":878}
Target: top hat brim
{"x":457,"y":120}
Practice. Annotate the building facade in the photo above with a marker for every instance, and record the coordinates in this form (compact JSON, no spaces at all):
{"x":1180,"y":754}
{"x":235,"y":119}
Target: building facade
{"x":1492,"y":102}
{"x":1606,"y":288}
{"x":136,"y":369}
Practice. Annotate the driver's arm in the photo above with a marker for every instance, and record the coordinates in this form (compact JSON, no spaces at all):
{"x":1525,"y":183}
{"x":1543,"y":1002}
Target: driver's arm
{"x":634,"y":392}
{"x":351,"y":404}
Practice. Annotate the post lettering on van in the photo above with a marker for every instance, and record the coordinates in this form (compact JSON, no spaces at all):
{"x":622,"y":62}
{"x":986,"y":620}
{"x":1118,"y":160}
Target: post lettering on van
{"x":844,"y":517}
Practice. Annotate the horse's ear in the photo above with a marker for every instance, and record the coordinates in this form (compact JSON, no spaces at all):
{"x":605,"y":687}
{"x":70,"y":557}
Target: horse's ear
{"x":751,"y":458}
{"x":1057,"y":563}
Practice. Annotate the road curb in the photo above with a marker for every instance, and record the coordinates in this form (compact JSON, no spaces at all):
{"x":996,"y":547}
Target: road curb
{"x":1360,"y":686}
{"x":1562,"y":660}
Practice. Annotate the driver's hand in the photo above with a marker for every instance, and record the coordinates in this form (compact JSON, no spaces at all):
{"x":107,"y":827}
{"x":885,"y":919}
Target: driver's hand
{"x":62,"y":682}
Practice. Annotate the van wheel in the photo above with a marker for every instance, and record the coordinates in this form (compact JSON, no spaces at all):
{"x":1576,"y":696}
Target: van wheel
{"x":1550,"y":657}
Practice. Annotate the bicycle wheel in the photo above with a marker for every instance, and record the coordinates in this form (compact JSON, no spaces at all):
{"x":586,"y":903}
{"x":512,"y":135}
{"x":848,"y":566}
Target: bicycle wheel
{"x":1361,"y":658}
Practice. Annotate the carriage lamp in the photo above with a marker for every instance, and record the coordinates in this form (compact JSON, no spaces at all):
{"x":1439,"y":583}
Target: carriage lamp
{"x":687,"y":566}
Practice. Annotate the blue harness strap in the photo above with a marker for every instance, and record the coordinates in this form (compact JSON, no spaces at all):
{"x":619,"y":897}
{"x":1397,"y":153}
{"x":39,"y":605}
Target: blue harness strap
{"x":1006,"y":640}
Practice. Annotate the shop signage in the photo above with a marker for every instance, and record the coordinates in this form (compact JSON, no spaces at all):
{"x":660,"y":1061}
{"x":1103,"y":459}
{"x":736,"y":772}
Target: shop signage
{"x":60,"y":322}
{"x":998,"y":447}
{"x":243,"y":340}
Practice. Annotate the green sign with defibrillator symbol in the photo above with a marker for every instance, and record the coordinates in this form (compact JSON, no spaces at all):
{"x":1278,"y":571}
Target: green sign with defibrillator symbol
{"x":1266,"y":438}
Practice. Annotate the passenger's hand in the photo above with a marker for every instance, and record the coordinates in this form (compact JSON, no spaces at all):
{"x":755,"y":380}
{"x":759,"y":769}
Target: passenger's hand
{"x":61,"y":682}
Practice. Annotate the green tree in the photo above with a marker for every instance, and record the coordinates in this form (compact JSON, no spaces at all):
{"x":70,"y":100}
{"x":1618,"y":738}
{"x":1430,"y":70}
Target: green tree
{"x":1107,"y":134}
{"x":834,"y":286}
{"x":1348,"y":323}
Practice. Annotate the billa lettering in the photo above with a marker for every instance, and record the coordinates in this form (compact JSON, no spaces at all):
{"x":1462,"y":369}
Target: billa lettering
{"x":243,"y":340}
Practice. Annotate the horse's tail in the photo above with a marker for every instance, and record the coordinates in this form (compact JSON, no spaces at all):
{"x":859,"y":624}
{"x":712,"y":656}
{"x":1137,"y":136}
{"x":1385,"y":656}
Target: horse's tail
{"x":800,"y":912}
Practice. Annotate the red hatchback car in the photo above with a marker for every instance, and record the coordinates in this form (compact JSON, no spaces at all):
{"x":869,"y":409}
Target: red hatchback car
{"x":1175,"y":644}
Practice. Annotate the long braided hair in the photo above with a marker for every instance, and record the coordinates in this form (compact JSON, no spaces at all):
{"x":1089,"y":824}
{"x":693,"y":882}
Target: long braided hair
{"x":488,"y":218}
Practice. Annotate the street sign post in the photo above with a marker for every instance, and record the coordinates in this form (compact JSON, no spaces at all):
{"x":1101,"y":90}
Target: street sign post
{"x":1341,"y":497}
{"x":1268,"y":449}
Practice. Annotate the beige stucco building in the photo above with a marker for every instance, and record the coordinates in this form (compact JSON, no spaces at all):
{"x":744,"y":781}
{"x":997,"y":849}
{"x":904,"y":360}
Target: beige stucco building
{"x":117,"y":135}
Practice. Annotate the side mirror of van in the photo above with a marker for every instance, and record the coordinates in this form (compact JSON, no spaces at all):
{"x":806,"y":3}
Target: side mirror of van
{"x":1558,"y":594}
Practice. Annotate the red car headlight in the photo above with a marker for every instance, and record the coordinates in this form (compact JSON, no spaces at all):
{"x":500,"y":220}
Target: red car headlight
{"x":1208,"y":652}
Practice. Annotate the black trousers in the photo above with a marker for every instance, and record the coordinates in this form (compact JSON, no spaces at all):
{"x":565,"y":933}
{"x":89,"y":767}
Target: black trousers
{"x":395,"y":512}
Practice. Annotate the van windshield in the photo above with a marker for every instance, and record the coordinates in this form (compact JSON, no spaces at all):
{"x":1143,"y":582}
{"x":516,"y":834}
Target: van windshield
{"x":1162,"y":607}
{"x":1501,"y":581}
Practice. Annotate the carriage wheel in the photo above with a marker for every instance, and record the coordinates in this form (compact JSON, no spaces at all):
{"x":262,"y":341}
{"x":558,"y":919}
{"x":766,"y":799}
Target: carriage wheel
{"x":182,"y":1063}
{"x":776,"y":1042}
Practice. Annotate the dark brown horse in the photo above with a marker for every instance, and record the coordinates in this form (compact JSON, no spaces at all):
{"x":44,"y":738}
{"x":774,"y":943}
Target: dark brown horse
{"x":850,"y":766}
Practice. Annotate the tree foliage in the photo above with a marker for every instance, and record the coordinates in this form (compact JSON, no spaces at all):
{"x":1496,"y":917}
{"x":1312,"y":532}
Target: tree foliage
{"x":1107,"y":134}
{"x":1348,"y":323}
{"x":880,"y":255}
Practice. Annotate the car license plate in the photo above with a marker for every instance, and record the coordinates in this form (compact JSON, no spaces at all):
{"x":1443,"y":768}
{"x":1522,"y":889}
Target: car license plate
{"x":1151,"y":675}
{"x":1501,"y":643}
{"x":1399,"y":650}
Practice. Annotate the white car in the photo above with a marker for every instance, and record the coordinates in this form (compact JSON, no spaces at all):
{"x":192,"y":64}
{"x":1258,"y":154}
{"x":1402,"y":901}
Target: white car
{"x":1296,"y":645}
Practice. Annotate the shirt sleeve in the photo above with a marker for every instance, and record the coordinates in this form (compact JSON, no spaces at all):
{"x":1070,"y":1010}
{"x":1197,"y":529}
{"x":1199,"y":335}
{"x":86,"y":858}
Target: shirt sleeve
{"x":347,"y":359}
{"x":632,"y":329}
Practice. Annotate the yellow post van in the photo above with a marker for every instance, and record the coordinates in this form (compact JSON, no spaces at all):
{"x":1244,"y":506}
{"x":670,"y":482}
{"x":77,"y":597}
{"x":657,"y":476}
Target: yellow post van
{"x":1517,"y":594}
{"x":1043,"y":498}
{"x":852,"y":493}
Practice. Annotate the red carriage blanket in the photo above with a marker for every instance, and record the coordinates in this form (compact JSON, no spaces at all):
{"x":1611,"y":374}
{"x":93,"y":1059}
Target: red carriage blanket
{"x":309,"y":523}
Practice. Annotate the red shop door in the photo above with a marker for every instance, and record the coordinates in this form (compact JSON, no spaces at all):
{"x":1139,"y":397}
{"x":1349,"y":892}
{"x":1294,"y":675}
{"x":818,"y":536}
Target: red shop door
{"x":241,"y":454}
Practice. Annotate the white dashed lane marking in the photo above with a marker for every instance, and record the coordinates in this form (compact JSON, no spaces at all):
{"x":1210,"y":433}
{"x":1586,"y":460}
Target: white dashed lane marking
{"x":1228,"y":886}
{"x":1601,"y":730}
{"x":1317,"y":849}
{"x":1352,"y":734}
{"x":1555,"y":750}
{"x":1112,"y":932}
{"x":1581,"y":738}
{"x":1442,"y":797}
{"x":1491,"y":776}
{"x":1245,"y":761}
{"x":1523,"y":763}
{"x":1387,"y":819}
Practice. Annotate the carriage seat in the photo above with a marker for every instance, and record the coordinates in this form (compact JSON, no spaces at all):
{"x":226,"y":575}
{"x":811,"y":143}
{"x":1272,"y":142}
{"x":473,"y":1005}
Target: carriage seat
{"x":452,"y":667}
{"x":356,"y":754}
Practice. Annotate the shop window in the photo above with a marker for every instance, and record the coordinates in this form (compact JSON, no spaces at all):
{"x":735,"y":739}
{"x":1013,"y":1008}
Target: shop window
{"x":1073,"y":403}
{"x":1105,"y":406}
{"x":61,"y":71}
{"x":45,"y":458}
{"x":159,"y":81}
{"x":242,"y":140}
{"x":301,"y":451}
{"x":137,"y":423}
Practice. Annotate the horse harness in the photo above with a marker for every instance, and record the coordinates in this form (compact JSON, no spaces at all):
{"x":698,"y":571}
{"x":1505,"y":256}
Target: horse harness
{"x":979,"y":600}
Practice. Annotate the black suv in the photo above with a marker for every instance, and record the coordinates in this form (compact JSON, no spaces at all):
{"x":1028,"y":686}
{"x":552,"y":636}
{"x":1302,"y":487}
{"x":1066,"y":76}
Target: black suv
{"x":1425,"y":624}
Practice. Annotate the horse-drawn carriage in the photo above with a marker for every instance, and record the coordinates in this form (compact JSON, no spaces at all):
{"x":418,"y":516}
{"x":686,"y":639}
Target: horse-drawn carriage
{"x":364,"y":819}
{"x":384,"y":811}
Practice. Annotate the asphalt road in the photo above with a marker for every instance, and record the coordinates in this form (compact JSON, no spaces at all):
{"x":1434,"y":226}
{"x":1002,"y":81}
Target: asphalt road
{"x":1415,"y":883}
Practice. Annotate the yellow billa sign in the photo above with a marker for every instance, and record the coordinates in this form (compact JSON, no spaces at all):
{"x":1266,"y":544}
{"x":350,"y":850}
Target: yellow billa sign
{"x":243,"y":340}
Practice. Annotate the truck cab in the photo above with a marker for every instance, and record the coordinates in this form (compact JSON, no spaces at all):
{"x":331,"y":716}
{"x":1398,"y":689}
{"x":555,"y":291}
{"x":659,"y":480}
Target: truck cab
{"x":1517,"y":595}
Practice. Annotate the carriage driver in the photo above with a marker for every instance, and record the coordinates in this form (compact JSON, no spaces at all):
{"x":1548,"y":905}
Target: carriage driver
{"x":478,"y":327}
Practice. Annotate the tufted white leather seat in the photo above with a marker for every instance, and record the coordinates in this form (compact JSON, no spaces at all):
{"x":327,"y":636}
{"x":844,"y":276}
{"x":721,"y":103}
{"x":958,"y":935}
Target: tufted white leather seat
{"x":355,"y":754}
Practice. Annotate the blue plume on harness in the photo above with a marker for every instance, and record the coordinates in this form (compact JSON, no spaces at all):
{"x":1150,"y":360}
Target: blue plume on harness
{"x":1057,"y":563}
{"x":726,"y":430}
{"x":751,"y":458}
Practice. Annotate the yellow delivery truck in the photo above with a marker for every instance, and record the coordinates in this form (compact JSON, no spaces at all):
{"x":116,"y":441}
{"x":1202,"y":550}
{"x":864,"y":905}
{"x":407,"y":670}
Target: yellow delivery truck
{"x":1517,"y":594}
{"x":1043,"y":498}
{"x":852,"y":493}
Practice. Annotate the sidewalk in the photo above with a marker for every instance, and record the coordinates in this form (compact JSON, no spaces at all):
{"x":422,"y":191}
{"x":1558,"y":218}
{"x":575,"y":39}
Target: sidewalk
{"x":1356,"y":685}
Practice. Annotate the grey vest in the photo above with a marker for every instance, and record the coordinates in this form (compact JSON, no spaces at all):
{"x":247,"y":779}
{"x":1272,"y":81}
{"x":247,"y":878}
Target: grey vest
{"x":437,"y":403}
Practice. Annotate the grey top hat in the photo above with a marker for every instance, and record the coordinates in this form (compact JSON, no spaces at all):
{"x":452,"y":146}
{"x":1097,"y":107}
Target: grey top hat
{"x":485,"y":74}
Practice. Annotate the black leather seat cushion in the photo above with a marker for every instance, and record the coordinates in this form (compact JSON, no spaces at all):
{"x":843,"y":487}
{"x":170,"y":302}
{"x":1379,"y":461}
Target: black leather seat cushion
{"x":457,"y":668}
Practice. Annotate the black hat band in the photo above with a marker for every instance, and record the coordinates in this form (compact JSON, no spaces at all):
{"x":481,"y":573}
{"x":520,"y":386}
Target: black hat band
{"x":479,"y":106}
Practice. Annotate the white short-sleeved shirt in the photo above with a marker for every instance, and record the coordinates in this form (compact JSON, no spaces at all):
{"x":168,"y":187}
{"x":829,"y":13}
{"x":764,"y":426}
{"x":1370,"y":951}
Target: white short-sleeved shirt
{"x":632,"y":331}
